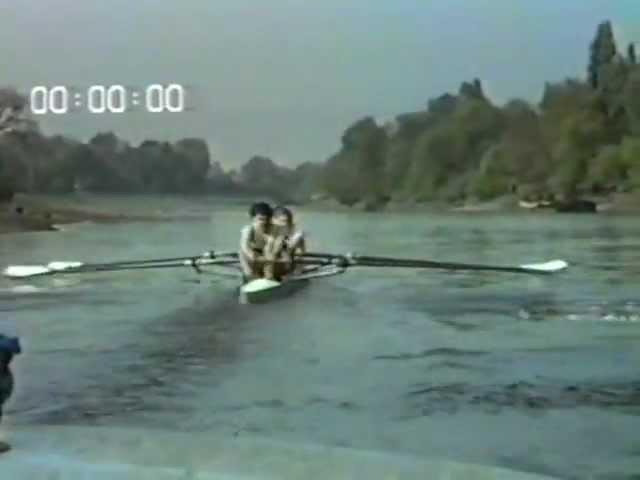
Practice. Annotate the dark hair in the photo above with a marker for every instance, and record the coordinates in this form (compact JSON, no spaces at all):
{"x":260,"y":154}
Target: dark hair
{"x":260,"y":208}
{"x":10,"y":344}
{"x":282,"y":210}
{"x":8,"y":348}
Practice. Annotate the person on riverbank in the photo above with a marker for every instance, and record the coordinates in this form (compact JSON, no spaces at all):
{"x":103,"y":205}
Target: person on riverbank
{"x":9,"y":346}
{"x":253,"y":241}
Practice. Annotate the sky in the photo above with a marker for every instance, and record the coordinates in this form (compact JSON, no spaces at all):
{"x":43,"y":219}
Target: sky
{"x":285,"y":78}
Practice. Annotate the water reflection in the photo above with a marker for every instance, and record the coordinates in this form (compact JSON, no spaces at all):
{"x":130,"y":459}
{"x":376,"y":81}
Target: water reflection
{"x":336,"y":365}
{"x":163,"y":363}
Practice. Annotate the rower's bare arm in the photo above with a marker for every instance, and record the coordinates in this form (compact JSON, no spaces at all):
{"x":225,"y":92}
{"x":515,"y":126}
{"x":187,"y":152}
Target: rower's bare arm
{"x":302,"y":248}
{"x":299,"y":247}
{"x":245,"y":244}
{"x":273,"y":247}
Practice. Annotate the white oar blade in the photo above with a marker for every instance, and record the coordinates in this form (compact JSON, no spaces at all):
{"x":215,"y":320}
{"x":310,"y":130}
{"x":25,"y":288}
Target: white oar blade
{"x":25,"y":271}
{"x":551,"y":266}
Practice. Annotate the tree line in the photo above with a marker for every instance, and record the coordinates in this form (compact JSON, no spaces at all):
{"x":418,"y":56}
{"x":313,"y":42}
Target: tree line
{"x":582,"y":138}
{"x":33,"y":162}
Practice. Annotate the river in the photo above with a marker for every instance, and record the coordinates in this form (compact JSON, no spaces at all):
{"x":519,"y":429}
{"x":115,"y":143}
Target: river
{"x":535,"y":374}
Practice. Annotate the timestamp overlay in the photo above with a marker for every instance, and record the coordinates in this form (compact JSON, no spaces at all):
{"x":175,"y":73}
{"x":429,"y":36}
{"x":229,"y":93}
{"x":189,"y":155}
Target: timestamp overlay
{"x":100,"y":99}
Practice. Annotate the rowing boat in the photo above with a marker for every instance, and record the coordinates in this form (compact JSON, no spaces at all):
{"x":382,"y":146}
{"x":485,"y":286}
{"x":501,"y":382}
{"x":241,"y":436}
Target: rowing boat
{"x":315,"y":265}
{"x":261,"y":290}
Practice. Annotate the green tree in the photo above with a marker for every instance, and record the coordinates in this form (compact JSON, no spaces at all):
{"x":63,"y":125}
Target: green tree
{"x":410,"y":126}
{"x":607,"y":170}
{"x":522,"y":145}
{"x":443,"y":105}
{"x":630,"y":159}
{"x":193,"y":160}
{"x":472,"y":90}
{"x":481,"y":123}
{"x":13,"y":164}
{"x":603,"y":50}
{"x":613,"y":77}
{"x":444,"y":156}
{"x":495,"y":174}
{"x":357,"y":171}
{"x":631,"y":100}
{"x":434,"y":156}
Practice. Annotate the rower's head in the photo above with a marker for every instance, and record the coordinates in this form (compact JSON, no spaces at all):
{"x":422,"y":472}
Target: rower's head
{"x":260,"y":213}
{"x":282,"y":217}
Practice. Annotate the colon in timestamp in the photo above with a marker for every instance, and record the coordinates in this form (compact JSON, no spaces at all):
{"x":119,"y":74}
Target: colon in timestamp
{"x":100,"y":99}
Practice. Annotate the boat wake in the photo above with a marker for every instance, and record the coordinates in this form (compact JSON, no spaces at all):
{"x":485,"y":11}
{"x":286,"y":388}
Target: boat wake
{"x":57,"y":287}
{"x":610,"y":312}
{"x":23,"y":289}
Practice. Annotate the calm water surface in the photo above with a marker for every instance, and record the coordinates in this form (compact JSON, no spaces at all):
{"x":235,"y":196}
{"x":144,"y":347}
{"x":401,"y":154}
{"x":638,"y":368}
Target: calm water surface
{"x":536,"y":374}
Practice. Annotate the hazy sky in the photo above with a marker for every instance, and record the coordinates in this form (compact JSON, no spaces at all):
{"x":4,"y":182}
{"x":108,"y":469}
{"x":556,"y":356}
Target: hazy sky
{"x":284,"y":78}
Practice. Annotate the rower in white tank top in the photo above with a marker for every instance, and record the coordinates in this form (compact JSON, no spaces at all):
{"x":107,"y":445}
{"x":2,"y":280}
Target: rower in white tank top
{"x":286,"y":242}
{"x":254,"y":241}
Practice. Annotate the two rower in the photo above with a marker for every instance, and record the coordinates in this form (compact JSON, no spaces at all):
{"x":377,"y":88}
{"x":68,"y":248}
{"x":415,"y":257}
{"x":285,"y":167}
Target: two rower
{"x":269,"y":244}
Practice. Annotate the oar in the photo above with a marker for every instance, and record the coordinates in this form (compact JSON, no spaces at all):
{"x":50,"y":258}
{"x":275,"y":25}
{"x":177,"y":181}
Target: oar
{"x":207,"y":258}
{"x":552,"y":266}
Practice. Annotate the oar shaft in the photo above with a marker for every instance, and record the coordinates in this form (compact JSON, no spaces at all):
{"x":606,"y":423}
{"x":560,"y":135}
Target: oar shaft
{"x":365,"y":261}
{"x":327,"y":256}
{"x":297,"y":260}
{"x":115,"y":268}
{"x":64,"y":268}
{"x":163,"y":260}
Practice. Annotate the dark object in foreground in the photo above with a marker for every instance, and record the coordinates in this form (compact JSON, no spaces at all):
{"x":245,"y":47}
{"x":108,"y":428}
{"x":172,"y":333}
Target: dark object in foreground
{"x":562,"y":206}
{"x":6,"y":193}
{"x":577,"y":206}
{"x":9,"y":346}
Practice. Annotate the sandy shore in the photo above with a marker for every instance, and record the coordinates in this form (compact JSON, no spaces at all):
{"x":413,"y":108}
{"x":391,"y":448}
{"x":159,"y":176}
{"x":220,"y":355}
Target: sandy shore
{"x":31,"y":214}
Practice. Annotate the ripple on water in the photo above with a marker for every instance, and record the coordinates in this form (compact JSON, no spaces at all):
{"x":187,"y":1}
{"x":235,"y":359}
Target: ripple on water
{"x":525,"y":396}
{"x":433,"y":352}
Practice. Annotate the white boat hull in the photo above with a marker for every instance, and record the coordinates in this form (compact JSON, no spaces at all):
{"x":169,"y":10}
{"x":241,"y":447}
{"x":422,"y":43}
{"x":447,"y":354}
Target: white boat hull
{"x":262,"y":290}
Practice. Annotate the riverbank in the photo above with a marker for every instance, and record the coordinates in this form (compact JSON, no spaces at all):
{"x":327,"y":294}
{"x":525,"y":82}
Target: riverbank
{"x":33,"y":213}
{"x":624,"y":203}
{"x":30,"y":213}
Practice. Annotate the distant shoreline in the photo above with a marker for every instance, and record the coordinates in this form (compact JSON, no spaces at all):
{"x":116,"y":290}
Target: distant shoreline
{"x":30,"y":214}
{"x":39,"y":215}
{"x":509,"y":204}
